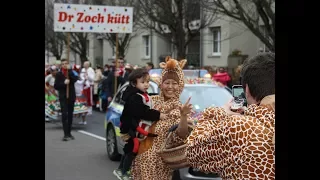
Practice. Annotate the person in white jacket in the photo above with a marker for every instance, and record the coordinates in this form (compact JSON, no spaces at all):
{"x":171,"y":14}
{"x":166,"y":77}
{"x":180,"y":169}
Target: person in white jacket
{"x":79,"y":86}
{"x":89,"y":76}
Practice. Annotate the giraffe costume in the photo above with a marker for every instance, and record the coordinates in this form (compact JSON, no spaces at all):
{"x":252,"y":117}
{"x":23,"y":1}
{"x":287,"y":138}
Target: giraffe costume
{"x":148,"y":165}
{"x":236,"y":147}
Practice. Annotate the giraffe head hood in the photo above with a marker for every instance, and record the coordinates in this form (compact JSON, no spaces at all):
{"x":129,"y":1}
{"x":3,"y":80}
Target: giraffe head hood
{"x":172,"y":69}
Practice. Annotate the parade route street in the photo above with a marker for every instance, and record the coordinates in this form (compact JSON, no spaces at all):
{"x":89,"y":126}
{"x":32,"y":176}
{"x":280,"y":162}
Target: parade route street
{"x":84,"y":158}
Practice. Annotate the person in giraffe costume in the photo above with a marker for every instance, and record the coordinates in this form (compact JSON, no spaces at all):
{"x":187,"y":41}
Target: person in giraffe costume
{"x":240,"y":146}
{"x":148,"y":165}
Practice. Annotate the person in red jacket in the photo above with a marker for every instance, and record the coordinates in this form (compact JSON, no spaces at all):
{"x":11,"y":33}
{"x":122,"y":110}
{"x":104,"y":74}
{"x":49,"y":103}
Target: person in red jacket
{"x":222,"y":76}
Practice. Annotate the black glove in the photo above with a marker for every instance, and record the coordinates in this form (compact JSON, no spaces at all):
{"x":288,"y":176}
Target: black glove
{"x":152,"y":135}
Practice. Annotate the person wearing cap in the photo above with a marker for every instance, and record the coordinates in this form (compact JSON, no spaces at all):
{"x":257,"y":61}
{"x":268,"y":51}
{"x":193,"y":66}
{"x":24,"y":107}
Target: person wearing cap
{"x":89,"y":77}
{"x":135,"y":67}
{"x":128,"y":68}
{"x":148,"y":164}
{"x":46,"y":69}
{"x":97,"y":81}
{"x":58,"y":64}
{"x":81,"y":99}
{"x":50,"y":79}
{"x":50,"y":92}
{"x":121,"y":75}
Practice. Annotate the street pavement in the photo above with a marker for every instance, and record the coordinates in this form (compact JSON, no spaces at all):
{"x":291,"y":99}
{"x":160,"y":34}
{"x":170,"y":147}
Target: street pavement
{"x":84,"y":158}
{"x":95,"y":124}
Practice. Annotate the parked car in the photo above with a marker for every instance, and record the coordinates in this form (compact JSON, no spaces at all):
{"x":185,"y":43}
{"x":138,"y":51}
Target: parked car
{"x":203,"y":95}
{"x":112,"y":122}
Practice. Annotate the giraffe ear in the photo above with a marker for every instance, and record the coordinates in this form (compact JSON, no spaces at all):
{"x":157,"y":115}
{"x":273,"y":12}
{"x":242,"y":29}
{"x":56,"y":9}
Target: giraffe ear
{"x":167,"y":59}
{"x":182,"y":63}
{"x":162,"y":65}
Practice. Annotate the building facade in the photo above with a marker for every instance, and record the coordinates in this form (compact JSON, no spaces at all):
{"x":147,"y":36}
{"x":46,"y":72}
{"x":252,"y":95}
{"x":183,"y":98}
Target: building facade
{"x":217,"y":43}
{"x":211,"y":48}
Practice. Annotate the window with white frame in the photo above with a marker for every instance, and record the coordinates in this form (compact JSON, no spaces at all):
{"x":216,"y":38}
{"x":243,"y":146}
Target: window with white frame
{"x":216,"y":45}
{"x":146,"y":46}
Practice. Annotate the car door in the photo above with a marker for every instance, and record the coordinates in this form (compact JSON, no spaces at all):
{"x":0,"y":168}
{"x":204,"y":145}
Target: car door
{"x":116,"y":107}
{"x":115,"y":110}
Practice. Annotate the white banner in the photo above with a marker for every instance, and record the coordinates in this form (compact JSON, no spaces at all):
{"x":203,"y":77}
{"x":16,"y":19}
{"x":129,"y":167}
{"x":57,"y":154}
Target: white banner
{"x":94,"y":19}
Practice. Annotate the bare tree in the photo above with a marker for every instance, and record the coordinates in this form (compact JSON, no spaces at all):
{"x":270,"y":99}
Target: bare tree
{"x":79,"y":42}
{"x":257,"y":15}
{"x":178,"y":21}
{"x":53,"y":40}
{"x":58,"y":40}
{"x":124,"y":39}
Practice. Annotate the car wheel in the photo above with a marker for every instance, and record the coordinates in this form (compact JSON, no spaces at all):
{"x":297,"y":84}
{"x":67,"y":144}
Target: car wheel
{"x":176,"y":175}
{"x":111,"y":142}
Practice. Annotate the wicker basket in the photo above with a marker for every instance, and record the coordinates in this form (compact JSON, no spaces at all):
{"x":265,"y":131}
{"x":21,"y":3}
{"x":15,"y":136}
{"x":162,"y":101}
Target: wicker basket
{"x":174,"y":157}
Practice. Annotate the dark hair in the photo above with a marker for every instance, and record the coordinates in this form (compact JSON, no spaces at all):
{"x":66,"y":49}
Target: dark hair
{"x":63,"y":59}
{"x":136,"y":74}
{"x":259,"y":73}
{"x":150,"y":64}
{"x":222,"y":69}
{"x":48,"y":72}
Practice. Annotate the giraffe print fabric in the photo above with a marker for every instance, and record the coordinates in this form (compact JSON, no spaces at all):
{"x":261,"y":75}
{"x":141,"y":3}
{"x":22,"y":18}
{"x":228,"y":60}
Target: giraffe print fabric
{"x":235,"y":147}
{"x":148,"y":165}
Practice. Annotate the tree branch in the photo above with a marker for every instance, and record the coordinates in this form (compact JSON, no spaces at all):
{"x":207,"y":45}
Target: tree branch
{"x":249,"y":13}
{"x":176,"y":15}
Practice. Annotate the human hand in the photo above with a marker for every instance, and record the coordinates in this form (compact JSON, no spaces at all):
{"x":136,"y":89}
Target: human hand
{"x":109,"y":99}
{"x":124,"y":137}
{"x":169,"y":110}
{"x":67,"y":81}
{"x":186,"y":108}
{"x":228,"y":108}
{"x":163,"y":116}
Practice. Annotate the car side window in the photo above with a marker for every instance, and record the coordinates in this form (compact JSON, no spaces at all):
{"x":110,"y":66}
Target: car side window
{"x":118,"y":98}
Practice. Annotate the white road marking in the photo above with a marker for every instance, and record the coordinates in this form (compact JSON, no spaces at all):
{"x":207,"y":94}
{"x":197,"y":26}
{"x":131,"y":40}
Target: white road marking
{"x":86,"y":133}
{"x":92,"y":135}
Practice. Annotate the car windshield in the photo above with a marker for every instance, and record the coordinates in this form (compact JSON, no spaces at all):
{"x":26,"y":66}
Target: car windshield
{"x":203,"y":96}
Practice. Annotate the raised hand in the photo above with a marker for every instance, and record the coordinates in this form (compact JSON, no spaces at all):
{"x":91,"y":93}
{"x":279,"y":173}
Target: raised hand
{"x":186,"y":108}
{"x":67,"y":81}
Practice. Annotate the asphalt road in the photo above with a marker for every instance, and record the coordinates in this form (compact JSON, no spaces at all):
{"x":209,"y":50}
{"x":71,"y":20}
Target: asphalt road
{"x":80,"y":159}
{"x":95,"y":124}
{"x":84,"y":158}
